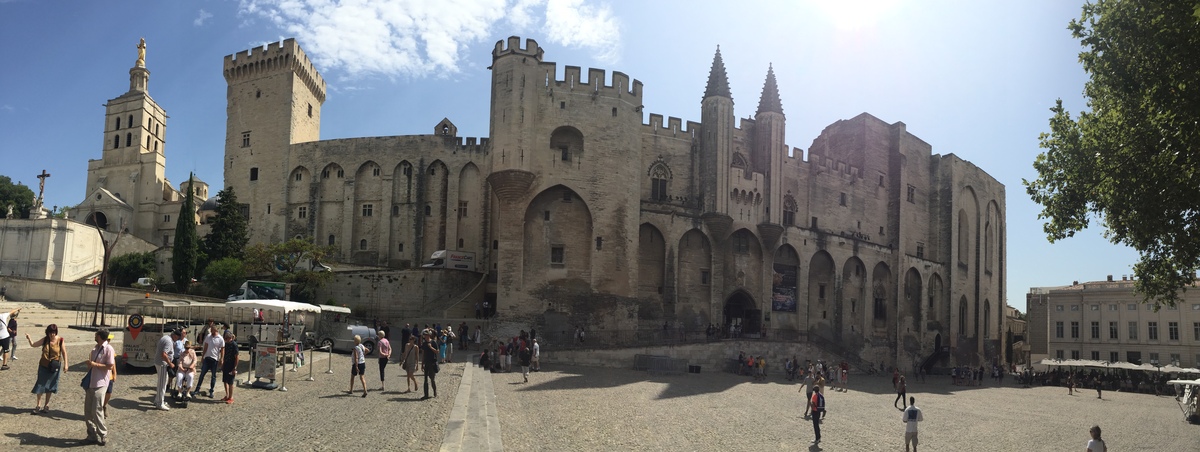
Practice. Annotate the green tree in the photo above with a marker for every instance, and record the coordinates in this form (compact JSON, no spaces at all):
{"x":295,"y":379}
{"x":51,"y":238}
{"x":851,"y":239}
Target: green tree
{"x":224,"y":276}
{"x":187,"y":244}
{"x":17,"y":195}
{"x":288,"y":262}
{"x":1132,"y":161}
{"x":125,"y":270}
{"x":228,"y":236}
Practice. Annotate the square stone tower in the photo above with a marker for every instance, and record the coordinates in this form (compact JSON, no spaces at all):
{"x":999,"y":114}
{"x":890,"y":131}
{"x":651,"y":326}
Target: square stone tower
{"x":274,"y":100}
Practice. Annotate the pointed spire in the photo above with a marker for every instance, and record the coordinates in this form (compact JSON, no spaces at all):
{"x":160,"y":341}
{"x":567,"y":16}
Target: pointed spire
{"x":769,"y":102}
{"x":718,"y":82}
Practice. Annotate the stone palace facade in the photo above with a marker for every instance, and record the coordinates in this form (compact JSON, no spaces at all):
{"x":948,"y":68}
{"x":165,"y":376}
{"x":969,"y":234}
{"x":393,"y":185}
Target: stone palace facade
{"x":871,"y":242}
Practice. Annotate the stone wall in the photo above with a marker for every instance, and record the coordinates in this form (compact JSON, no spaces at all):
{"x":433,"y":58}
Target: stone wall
{"x":78,"y":296}
{"x":395,"y":295}
{"x":711,"y":357}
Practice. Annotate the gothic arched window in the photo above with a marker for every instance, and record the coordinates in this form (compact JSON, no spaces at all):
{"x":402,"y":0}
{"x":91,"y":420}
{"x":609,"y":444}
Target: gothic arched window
{"x":789,"y":210}
{"x":659,"y":175}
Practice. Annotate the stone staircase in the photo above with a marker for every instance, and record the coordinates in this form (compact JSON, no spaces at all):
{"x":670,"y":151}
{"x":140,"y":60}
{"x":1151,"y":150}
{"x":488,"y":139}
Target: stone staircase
{"x":474,"y":423}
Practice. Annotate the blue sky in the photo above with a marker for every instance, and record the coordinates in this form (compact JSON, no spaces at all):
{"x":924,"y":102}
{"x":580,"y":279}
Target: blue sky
{"x":971,"y":78}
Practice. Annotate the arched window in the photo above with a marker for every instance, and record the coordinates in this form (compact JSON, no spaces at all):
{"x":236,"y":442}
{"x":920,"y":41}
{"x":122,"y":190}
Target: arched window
{"x":963,"y":239}
{"x":567,"y":143}
{"x":362,"y":245}
{"x":116,"y":141}
{"x":962,"y":316}
{"x":331,"y":240}
{"x":987,"y":319}
{"x":128,"y":139}
{"x":738,"y":161}
{"x":789,"y":210}
{"x":118,"y":123}
{"x":659,"y":174}
{"x":147,"y":141}
{"x":987,"y":246}
{"x":130,"y":122}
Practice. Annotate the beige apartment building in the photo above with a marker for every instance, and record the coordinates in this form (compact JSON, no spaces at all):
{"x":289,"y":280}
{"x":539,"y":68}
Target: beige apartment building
{"x":1106,"y":320}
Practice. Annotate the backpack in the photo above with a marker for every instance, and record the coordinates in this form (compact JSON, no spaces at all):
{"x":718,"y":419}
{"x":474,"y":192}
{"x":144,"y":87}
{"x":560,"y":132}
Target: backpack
{"x":821,"y":402}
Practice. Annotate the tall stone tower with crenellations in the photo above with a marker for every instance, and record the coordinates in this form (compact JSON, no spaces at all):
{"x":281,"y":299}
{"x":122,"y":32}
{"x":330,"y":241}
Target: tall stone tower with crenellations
{"x":559,"y":150}
{"x":274,"y":100}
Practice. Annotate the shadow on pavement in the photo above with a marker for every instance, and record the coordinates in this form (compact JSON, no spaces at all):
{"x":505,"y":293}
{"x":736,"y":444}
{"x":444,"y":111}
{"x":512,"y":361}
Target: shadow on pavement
{"x":30,"y":439}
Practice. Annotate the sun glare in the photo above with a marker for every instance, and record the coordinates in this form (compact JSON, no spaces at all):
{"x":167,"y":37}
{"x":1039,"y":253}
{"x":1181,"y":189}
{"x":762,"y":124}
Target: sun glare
{"x":853,"y":15}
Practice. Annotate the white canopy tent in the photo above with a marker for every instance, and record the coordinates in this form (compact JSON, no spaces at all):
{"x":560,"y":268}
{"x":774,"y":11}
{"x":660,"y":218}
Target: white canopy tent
{"x":1050,"y":362}
{"x":274,"y":305}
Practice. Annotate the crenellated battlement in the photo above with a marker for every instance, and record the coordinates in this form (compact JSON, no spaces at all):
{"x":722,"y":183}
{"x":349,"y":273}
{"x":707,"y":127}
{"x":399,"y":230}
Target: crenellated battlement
{"x":513,"y":47}
{"x":285,"y":55}
{"x":595,"y":83}
{"x":673,"y":126}
{"x":472,"y":145}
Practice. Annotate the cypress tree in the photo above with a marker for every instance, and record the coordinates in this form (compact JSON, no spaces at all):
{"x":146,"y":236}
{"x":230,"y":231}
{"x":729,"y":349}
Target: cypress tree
{"x":229,"y":235}
{"x":187,"y":244}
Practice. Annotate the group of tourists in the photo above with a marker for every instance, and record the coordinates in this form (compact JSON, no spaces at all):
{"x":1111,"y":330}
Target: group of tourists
{"x":176,"y":359}
{"x":499,"y":355}
{"x":967,"y":375}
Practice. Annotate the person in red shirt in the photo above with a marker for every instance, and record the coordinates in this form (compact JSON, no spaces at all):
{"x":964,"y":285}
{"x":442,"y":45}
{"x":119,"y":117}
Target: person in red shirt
{"x":817,"y":404}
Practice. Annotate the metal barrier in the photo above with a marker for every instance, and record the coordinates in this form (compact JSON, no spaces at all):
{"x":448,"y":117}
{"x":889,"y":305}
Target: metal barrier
{"x":661,"y":365}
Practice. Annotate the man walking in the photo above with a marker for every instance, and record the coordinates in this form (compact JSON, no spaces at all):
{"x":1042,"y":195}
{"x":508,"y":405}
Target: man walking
{"x":901,"y":391}
{"x":525,"y":356}
{"x":807,"y":387}
{"x":817,"y":405}
{"x":164,"y":363}
{"x":912,"y":415}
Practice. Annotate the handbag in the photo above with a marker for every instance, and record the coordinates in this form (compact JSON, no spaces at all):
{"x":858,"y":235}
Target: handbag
{"x":86,"y":379}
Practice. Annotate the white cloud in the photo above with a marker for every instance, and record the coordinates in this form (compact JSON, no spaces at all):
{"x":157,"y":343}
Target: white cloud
{"x":204,"y":15}
{"x":428,"y":37}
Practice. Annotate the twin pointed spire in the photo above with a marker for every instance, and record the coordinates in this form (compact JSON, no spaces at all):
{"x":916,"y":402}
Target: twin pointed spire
{"x":718,"y":81}
{"x":718,"y":85}
{"x":769,"y":102}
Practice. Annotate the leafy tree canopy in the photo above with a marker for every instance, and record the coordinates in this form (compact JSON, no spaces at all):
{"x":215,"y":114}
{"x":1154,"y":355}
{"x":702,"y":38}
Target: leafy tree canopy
{"x":224,"y":276}
{"x":124,"y":270}
{"x":1133,"y":160}
{"x":18,"y":195}
{"x":228,"y":236}
{"x":290,"y":262}
{"x":284,"y":257}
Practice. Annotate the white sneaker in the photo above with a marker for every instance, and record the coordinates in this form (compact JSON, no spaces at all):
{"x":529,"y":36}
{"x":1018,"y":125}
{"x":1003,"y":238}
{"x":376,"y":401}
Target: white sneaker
{"x":164,"y":408}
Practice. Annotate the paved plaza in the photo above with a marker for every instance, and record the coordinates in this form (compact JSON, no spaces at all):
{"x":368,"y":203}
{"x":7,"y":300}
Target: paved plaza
{"x":579,"y":408}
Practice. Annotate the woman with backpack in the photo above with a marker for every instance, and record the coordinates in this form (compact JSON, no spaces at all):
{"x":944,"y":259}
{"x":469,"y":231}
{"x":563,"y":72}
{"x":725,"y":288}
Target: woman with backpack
{"x":50,"y":366}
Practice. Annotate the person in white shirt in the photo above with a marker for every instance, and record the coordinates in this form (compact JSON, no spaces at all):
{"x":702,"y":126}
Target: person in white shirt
{"x":912,"y":415}
{"x":6,"y":339}
{"x":214,"y":346}
{"x":1096,"y":444}
{"x":537,"y":356}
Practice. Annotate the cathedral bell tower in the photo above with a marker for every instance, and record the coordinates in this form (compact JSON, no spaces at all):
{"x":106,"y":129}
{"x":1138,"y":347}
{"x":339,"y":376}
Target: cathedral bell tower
{"x":128,"y":183}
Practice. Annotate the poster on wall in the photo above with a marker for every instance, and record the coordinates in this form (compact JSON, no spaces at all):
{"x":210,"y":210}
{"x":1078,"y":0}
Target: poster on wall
{"x":783,"y":288}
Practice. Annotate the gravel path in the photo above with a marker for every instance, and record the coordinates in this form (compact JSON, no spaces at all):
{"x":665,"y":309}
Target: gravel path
{"x":315,"y":415}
